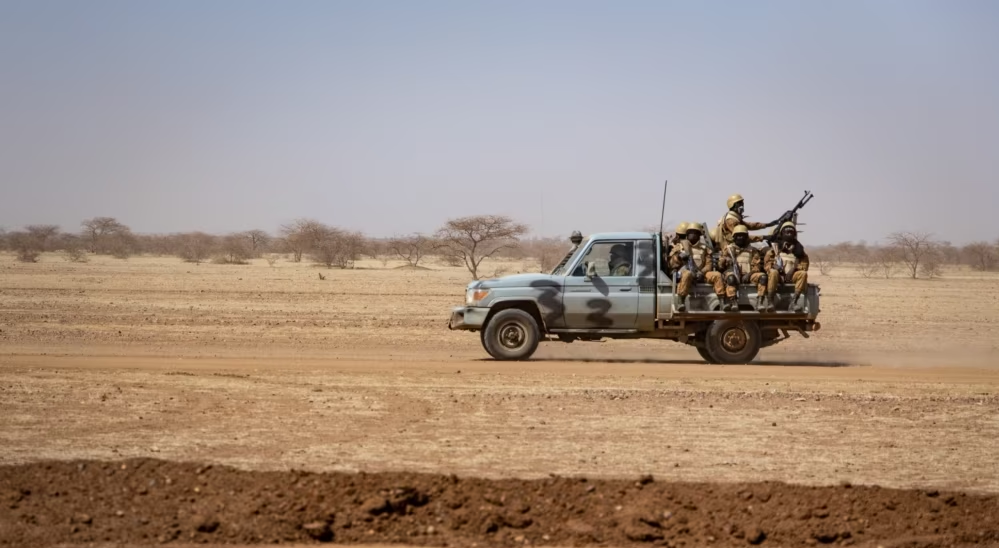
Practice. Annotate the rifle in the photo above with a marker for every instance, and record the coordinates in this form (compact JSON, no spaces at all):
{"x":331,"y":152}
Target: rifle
{"x":735,"y":269}
{"x":788,"y":215}
{"x":711,"y":248}
{"x":778,"y":261}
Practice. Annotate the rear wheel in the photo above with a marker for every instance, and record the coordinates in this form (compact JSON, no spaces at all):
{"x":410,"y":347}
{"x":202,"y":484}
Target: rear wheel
{"x":511,"y":334}
{"x":704,"y":354}
{"x":733,"y":341}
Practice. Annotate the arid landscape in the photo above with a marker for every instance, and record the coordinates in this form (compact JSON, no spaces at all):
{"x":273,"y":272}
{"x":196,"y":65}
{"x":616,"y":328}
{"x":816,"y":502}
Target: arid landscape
{"x":151,"y":400}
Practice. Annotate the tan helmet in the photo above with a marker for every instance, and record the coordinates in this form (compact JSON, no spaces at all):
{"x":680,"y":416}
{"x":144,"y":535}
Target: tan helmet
{"x":740,"y":229}
{"x":682,"y":227}
{"x":695,"y":226}
{"x":734,"y":199}
{"x":787,"y":224}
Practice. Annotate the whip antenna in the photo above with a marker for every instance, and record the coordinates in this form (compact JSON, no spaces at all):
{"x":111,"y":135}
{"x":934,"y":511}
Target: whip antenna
{"x":662,"y":217}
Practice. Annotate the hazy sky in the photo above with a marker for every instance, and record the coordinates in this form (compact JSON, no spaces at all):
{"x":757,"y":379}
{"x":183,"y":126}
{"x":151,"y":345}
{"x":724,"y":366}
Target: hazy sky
{"x":390,"y":117}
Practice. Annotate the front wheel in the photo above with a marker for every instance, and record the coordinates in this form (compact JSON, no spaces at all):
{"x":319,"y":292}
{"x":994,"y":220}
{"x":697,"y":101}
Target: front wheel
{"x":511,"y":334}
{"x":733,"y":341}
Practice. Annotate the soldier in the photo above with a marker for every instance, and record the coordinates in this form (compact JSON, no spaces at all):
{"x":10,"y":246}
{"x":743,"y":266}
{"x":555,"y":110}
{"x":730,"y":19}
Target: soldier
{"x":620,"y":260}
{"x":680,"y":262}
{"x":788,"y":258}
{"x":733,"y":218}
{"x":750,"y":263}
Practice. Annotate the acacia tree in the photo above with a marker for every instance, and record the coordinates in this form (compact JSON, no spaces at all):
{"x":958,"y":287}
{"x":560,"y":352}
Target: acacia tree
{"x":258,"y":240}
{"x":301,"y":236}
{"x":474,"y":239}
{"x":105,"y":235}
{"x":409,"y":248}
{"x":912,"y":248}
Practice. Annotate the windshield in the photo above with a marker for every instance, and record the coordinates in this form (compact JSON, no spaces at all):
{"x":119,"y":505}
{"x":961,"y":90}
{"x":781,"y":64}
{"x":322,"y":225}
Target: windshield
{"x":568,"y":259}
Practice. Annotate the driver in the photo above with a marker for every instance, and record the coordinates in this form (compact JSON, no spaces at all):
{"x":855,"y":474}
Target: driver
{"x":620,"y":260}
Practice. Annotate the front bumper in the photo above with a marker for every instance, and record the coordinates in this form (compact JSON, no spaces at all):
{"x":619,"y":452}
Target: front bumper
{"x":467,"y":317}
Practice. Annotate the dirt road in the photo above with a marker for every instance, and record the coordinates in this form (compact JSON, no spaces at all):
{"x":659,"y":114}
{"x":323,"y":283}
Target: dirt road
{"x":444,"y":413}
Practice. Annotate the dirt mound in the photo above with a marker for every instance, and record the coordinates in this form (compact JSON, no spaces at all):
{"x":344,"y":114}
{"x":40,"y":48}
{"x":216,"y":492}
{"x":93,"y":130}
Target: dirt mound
{"x":411,"y":267}
{"x":152,"y":501}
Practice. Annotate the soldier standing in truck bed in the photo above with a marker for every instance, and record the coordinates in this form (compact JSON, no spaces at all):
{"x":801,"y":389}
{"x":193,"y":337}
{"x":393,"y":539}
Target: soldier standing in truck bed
{"x":680,"y":262}
{"x":750,"y":262}
{"x":791,"y":263}
{"x":734,"y":217}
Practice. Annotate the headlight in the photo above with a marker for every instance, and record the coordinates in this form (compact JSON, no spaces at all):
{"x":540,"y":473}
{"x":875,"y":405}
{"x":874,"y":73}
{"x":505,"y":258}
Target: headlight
{"x":473,"y":296}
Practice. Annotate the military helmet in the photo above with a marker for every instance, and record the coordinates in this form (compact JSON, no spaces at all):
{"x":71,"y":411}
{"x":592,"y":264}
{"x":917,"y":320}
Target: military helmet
{"x":619,"y":249}
{"x":787,"y":224}
{"x":682,"y":227}
{"x":734,"y":199}
{"x":740,"y":229}
{"x":695,"y":226}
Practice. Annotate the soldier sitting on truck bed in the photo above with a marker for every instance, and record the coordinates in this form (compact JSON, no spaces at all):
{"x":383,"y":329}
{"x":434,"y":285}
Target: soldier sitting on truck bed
{"x":734,"y":217}
{"x":750,"y":263}
{"x":788,"y":258}
{"x":693,"y":266}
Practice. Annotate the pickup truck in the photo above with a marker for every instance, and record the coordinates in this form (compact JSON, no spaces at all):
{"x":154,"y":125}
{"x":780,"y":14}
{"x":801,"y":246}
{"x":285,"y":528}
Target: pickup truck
{"x":580,"y":300}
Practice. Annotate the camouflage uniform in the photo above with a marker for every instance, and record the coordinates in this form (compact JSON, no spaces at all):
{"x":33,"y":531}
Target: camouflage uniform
{"x":620,"y":268}
{"x":795,"y":266}
{"x":750,"y":266}
{"x":701,"y":257}
{"x":722,"y":234}
{"x":728,"y":223}
{"x":619,"y":264}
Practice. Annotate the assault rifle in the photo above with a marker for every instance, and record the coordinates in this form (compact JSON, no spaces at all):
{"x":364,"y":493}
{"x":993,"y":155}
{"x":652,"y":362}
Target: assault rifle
{"x":735,"y":269}
{"x":789,"y":215}
{"x":711,"y":248}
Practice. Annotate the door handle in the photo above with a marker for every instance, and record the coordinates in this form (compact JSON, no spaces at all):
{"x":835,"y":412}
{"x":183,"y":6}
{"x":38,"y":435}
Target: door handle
{"x":624,"y":289}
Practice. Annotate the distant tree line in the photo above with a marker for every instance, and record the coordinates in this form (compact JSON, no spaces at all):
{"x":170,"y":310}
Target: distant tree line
{"x":464,"y":241}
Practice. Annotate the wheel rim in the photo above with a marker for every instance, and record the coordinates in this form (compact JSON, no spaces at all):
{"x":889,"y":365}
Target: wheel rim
{"x":735,"y":339}
{"x":512,"y":336}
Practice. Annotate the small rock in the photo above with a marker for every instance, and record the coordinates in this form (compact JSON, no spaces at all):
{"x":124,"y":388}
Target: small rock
{"x":430,"y":529}
{"x":318,"y":530}
{"x":119,"y":513}
{"x":205,"y":524}
{"x":83,"y":518}
{"x":646,"y":479}
{"x":755,"y":535}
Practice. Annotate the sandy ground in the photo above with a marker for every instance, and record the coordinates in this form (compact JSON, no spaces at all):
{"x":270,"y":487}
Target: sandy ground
{"x":270,"y":368}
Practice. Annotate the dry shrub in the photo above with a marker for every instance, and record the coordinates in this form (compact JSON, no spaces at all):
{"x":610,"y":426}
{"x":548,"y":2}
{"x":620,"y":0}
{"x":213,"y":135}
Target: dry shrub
{"x":335,"y":247}
{"x":26,"y":246}
{"x":195,"y":247}
{"x":233,"y":249}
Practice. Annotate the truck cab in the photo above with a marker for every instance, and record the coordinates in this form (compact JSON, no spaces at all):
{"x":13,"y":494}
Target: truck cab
{"x":616,"y":285}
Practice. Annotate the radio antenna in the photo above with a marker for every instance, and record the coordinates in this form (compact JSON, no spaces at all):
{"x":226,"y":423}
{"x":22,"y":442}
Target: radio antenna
{"x":662,"y":217}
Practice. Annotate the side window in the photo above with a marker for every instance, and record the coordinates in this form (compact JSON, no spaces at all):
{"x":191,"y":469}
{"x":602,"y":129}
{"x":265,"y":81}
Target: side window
{"x":610,"y":259}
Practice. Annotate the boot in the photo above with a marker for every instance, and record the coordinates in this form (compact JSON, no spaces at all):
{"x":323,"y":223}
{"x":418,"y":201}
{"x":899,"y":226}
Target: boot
{"x":682,"y":305}
{"x":761,"y":302}
{"x":771,"y":307}
{"x":731,"y":304}
{"x":794,"y":303}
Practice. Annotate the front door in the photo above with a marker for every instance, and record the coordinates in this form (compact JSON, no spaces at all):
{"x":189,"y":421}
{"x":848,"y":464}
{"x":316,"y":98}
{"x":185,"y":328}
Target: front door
{"x":608,"y":299}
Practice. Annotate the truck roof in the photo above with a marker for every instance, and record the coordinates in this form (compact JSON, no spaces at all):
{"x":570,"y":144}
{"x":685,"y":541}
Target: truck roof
{"x":622,"y":236}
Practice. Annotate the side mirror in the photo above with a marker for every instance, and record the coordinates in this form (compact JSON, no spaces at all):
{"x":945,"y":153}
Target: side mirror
{"x":591,"y":271}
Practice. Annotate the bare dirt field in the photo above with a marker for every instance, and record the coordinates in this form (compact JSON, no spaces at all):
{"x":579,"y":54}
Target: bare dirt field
{"x":299,"y":383}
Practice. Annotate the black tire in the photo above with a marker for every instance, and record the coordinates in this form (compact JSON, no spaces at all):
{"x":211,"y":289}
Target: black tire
{"x":511,"y":334}
{"x":733,"y":341}
{"x":704,"y":354}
